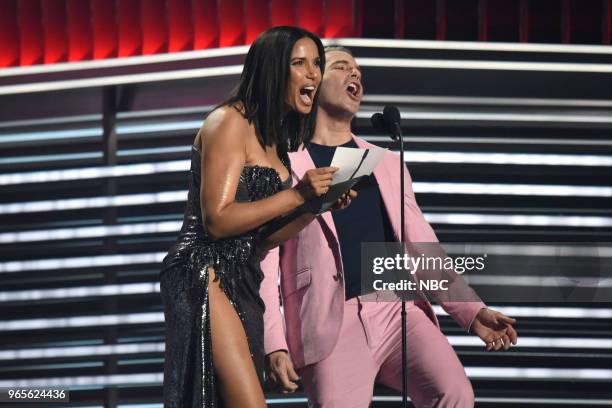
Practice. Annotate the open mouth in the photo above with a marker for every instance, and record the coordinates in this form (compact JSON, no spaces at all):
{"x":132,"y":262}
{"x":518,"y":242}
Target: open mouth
{"x":307,"y":94}
{"x":353,"y":90}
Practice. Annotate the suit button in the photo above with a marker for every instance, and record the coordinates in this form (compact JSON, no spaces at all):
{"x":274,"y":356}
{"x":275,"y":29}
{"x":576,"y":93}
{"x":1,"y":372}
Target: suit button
{"x":335,"y":278}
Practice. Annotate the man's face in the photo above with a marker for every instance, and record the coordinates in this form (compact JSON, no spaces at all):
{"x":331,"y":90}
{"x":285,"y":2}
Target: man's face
{"x":341,"y":90}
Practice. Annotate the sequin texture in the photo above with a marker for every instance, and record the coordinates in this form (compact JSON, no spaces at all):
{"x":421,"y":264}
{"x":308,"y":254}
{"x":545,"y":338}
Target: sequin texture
{"x":188,"y":369}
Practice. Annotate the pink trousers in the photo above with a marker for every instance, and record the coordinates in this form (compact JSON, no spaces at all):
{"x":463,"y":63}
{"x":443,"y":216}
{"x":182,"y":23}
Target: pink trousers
{"x":369,"y":350}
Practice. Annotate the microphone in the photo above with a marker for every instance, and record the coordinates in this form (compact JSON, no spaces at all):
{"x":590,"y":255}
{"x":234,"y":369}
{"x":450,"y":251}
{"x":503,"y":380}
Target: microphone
{"x":392,"y":120}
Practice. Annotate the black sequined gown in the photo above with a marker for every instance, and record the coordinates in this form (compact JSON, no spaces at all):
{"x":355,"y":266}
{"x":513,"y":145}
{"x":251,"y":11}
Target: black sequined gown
{"x":189,"y":379}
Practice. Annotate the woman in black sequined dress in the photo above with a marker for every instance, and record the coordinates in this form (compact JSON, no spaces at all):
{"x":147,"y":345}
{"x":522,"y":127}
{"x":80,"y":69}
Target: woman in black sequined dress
{"x":239,"y":189}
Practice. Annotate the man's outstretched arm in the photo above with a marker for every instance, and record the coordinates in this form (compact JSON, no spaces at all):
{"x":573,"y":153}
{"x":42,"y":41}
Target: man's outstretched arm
{"x":474,"y":317}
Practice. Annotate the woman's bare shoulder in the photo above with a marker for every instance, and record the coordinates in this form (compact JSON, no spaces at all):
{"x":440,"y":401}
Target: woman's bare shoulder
{"x":224,"y":123}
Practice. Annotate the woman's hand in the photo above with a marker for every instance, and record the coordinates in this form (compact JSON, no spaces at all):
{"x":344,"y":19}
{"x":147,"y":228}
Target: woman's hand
{"x":495,"y":329}
{"x":345,"y":200}
{"x":315,"y":183}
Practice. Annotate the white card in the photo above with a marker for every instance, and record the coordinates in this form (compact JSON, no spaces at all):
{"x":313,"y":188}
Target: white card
{"x":353,"y":163}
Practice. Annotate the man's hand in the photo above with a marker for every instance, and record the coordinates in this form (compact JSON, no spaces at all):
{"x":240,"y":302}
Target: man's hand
{"x":344,"y":201}
{"x":495,"y":329}
{"x":279,"y":369}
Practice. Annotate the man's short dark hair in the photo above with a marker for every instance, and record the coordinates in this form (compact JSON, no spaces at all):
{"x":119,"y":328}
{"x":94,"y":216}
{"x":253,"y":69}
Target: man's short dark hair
{"x":330,"y":48}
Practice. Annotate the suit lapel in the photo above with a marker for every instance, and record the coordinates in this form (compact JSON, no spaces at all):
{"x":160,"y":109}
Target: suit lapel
{"x":389,"y":189}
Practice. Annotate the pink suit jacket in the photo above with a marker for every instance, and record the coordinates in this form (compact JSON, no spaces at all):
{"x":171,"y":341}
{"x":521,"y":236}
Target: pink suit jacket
{"x":311,"y":274}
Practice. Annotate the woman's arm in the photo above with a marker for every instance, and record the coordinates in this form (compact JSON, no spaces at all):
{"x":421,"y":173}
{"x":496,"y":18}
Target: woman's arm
{"x":280,"y":235}
{"x":223,"y":139}
{"x":295,"y":222}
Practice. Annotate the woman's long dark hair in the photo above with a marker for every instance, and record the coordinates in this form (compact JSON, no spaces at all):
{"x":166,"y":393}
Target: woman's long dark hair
{"x":262,"y":90}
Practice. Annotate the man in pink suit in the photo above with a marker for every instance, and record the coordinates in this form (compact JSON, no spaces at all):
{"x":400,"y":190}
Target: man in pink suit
{"x":339,"y":343}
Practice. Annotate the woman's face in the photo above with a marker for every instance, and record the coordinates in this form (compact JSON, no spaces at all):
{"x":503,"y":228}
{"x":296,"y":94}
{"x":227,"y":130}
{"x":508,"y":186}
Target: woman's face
{"x":305,"y":76}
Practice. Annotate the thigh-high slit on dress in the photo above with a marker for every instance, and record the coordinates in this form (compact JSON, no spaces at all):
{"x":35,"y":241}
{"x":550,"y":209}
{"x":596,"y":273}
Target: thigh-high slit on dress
{"x":189,"y":375}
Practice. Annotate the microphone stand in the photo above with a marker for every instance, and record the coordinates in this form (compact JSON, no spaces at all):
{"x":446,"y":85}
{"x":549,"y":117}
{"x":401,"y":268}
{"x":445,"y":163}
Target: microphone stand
{"x":397,"y":132}
{"x":390,"y":122}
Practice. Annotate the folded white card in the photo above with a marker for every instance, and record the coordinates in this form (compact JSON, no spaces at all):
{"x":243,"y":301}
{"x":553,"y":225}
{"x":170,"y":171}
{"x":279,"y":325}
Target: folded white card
{"x":352,"y":165}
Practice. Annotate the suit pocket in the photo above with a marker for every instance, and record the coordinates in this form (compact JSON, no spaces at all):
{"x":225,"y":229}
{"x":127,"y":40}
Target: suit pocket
{"x":303,"y":277}
{"x":302,"y":280}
